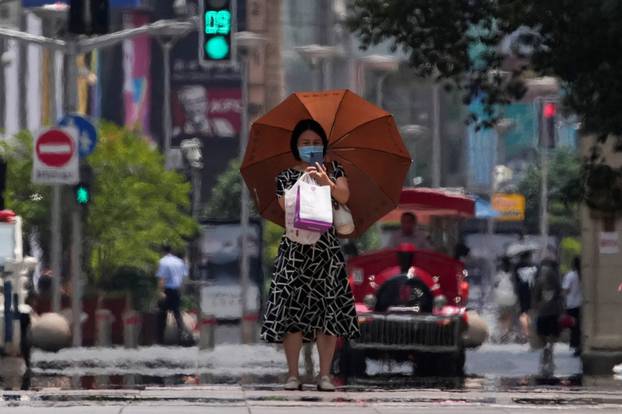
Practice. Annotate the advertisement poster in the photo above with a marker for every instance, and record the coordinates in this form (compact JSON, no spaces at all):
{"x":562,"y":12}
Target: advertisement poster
{"x":136,"y":78}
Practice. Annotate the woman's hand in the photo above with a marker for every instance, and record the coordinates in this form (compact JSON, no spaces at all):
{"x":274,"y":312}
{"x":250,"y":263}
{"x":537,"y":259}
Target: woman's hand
{"x":339,"y":189}
{"x":318,"y":173}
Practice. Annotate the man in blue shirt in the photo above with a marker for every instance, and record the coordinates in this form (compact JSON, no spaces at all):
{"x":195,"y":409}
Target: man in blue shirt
{"x":171,"y":273}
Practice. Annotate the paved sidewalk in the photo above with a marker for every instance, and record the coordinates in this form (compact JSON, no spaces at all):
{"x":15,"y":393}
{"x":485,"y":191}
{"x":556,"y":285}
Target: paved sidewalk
{"x":236,"y":400}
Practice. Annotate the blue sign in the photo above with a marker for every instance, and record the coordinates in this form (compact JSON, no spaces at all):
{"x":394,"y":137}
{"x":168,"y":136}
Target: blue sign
{"x":87,"y":134}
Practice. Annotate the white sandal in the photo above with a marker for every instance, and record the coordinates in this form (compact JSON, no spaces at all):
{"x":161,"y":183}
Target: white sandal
{"x":293,"y":384}
{"x":325,"y":384}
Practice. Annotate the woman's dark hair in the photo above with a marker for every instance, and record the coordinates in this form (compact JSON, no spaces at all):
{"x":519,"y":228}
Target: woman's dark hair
{"x":302,"y":126}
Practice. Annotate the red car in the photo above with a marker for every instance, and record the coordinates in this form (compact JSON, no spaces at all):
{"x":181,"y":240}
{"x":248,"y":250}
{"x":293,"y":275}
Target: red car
{"x":419,"y":315}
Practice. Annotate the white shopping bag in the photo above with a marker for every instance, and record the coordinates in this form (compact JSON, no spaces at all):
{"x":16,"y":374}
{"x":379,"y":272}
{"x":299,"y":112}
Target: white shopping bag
{"x":314,"y":206}
{"x":344,"y":223}
{"x":297,"y":235}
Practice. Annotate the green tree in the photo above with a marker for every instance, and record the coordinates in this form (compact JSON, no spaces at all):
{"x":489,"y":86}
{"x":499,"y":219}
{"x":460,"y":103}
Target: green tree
{"x":137,"y":205}
{"x":563,"y":198}
{"x":459,"y":43}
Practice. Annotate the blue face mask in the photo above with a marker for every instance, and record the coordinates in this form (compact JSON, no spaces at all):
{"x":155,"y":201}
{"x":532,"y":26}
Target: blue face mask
{"x":311,"y":154}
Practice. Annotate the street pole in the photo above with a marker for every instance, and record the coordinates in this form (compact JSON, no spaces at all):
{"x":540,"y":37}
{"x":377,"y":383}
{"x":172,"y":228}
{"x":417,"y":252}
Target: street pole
{"x":69,"y":106}
{"x":246,"y":324}
{"x":544,"y":220}
{"x":168,"y":127}
{"x":55,"y":248}
{"x":436,"y":136}
{"x":3,"y":48}
{"x":380,"y":88}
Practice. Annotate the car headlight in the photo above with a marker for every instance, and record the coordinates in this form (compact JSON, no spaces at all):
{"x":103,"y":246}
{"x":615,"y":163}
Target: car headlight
{"x":369,"y":300}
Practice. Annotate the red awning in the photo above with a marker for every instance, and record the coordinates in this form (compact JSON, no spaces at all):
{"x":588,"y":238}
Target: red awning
{"x":428,"y":202}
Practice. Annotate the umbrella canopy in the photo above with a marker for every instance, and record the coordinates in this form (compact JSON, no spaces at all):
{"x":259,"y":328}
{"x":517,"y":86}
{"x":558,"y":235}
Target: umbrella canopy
{"x":518,"y":248}
{"x":362,"y":137}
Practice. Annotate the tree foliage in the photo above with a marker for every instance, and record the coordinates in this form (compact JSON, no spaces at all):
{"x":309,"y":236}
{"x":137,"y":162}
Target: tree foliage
{"x":137,"y":205}
{"x":563,"y":196}
{"x":459,"y":43}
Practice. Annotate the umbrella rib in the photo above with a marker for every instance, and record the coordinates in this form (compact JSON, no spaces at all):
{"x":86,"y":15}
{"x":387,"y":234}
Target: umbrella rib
{"x":304,"y":106}
{"x":332,"y":127}
{"x":359,"y":126}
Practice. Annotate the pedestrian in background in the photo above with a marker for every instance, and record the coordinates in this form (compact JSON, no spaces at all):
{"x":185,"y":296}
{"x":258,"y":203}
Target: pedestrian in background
{"x":574,"y":301}
{"x":310,"y":298}
{"x":171,"y":273}
{"x":548,"y":304}
{"x":505,"y":299}
{"x":524,"y":276}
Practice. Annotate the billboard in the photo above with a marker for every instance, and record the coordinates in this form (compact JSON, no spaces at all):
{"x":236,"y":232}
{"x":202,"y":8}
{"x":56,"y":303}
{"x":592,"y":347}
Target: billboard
{"x":136,"y":74}
{"x":511,"y":207}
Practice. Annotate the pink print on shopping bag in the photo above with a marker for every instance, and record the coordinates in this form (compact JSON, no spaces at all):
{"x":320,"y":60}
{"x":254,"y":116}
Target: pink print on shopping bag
{"x":313,"y":208}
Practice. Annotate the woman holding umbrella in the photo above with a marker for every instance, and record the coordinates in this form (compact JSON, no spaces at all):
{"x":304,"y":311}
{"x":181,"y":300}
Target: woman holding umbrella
{"x":364,"y":161}
{"x":310,"y":299}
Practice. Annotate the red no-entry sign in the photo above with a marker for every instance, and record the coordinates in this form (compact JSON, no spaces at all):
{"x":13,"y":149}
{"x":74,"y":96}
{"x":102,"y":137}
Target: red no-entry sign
{"x":55,"y":148}
{"x":56,"y":157}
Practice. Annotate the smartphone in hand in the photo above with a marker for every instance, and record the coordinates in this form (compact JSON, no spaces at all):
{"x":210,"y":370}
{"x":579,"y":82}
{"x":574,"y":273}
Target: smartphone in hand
{"x":316,"y":157}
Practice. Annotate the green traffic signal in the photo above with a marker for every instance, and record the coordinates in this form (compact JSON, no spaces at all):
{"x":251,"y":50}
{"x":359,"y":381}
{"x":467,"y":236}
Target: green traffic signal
{"x":83,"y":196}
{"x":216,"y":33}
{"x":217,"y":48}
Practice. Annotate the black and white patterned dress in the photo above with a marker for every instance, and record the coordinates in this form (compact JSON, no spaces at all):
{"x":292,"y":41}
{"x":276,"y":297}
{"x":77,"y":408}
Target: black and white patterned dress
{"x":309,"y":290}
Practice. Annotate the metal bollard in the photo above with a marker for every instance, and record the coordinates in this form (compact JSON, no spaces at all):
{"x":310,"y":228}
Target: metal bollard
{"x":103,"y":327}
{"x":131,"y":328}
{"x":207,"y":326}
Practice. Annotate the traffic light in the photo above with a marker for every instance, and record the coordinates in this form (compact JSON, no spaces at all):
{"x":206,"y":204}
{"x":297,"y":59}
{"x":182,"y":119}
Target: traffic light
{"x":93,"y":19}
{"x":82,"y":191}
{"x":216,"y":45}
{"x":548,"y":119}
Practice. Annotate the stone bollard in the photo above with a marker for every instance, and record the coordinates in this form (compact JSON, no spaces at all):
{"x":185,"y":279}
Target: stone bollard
{"x":103,"y":327}
{"x":207,"y":326}
{"x":249,"y":328}
{"x":131,"y":328}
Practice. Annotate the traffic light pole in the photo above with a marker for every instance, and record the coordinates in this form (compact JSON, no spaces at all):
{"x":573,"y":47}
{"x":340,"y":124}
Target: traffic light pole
{"x":70,"y":103}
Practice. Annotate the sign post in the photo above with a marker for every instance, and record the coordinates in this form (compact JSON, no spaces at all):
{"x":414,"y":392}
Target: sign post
{"x":55,"y":159}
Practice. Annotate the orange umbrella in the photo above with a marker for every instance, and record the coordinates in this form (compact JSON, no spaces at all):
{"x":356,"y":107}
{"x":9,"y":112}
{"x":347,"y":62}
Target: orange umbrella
{"x":361,"y":136}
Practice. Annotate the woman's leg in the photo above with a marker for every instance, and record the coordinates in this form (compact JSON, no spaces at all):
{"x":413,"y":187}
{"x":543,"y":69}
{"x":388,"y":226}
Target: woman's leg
{"x":292,"y":344}
{"x":326,"y":348}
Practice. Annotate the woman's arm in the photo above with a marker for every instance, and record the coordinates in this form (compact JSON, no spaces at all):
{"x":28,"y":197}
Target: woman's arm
{"x":281,"y":201}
